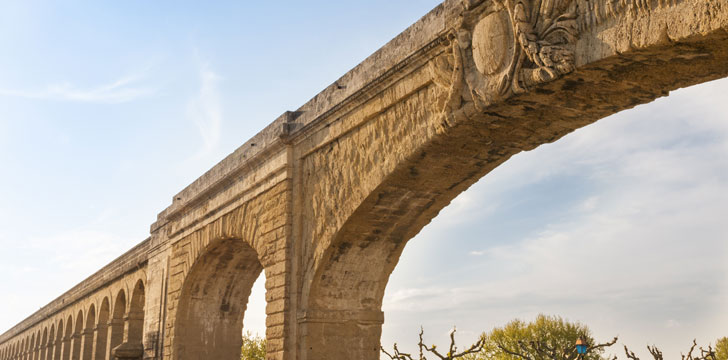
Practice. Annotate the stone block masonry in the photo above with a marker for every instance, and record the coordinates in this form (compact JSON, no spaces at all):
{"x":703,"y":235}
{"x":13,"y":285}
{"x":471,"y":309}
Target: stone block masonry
{"x":325,"y":198}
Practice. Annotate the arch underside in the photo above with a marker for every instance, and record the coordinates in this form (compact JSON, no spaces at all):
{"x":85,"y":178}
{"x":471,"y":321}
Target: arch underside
{"x":213,"y":301}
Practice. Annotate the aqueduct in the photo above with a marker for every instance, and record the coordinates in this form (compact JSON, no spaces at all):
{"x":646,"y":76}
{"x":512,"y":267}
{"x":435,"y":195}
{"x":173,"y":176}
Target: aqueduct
{"x":325,"y":198}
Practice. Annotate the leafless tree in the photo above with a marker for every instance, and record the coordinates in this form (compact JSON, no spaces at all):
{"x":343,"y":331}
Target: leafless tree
{"x":657,"y":354}
{"x":423,"y":349}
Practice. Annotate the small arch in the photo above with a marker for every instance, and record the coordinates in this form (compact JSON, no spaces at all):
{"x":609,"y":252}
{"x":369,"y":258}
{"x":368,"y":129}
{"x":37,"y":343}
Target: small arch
{"x":58,"y":346}
{"x":116,"y":325}
{"x":31,"y":347}
{"x":76,"y":336}
{"x":66,"y":345}
{"x":87,"y":335}
{"x":135,"y":320}
{"x":102,"y":330}
{"x":51,"y":342}
{"x":43,"y":344}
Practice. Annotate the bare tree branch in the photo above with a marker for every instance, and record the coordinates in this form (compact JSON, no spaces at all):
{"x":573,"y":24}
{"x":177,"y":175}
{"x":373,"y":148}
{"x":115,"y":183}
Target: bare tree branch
{"x":657,"y":354}
{"x":451,"y":355}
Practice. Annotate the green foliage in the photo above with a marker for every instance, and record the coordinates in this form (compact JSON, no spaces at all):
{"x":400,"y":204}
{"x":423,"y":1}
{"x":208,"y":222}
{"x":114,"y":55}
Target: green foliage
{"x":721,"y":349}
{"x":253,"y":347}
{"x":551,"y":331}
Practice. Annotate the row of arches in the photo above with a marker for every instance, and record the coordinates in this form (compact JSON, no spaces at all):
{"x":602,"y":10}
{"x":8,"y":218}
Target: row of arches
{"x":110,"y":329}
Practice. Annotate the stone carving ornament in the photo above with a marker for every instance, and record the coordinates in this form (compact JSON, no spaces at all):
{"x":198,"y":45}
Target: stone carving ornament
{"x":504,"y":47}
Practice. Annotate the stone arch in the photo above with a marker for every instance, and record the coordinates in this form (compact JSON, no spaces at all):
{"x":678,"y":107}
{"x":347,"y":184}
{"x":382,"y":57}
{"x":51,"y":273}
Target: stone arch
{"x":43,"y":344}
{"x":51,"y":342}
{"x":132,"y":346}
{"x":31,"y":348}
{"x":428,"y":157}
{"x":116,"y":324}
{"x":67,"y":339}
{"x":58,"y":346}
{"x":87,"y":335}
{"x":136,"y":313}
{"x":36,"y":345}
{"x":213,"y":300}
{"x":102,"y":330}
{"x":76,"y":337}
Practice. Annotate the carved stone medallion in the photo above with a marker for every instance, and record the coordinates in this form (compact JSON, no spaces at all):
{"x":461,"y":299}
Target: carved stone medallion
{"x":492,"y":42}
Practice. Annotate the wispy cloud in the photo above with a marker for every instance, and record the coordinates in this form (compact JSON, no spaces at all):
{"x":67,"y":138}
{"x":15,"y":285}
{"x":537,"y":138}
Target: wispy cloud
{"x":205,"y":109}
{"x":124,"y":89}
{"x":44,"y":273}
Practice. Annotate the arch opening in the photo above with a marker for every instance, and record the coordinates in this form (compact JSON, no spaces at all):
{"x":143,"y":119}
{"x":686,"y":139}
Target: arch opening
{"x":77,"y":336}
{"x":102,"y":330}
{"x":214,"y":297}
{"x":88,"y":334}
{"x":116,"y":324}
{"x":67,"y":337}
{"x":58,"y":346}
{"x":43,"y":345}
{"x":51,"y":343}
{"x":132,"y":347}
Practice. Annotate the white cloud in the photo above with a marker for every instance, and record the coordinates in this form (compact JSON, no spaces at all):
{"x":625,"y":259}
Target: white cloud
{"x":119,"y":91}
{"x":205,"y":109}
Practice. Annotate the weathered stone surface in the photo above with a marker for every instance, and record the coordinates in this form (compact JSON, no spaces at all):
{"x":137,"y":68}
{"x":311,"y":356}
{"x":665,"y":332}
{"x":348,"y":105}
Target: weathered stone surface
{"x":326,"y":197}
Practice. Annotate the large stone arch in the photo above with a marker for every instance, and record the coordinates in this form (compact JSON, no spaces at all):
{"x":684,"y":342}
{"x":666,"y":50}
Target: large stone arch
{"x":212,"y":273}
{"x":372,"y":188}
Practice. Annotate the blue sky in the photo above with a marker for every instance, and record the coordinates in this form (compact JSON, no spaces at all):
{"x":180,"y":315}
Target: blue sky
{"x":109,"y":109}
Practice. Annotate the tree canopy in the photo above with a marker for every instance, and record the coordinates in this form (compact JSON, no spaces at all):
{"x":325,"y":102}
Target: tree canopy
{"x":253,"y":347}
{"x":546,"y":333}
{"x":721,"y":348}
